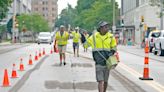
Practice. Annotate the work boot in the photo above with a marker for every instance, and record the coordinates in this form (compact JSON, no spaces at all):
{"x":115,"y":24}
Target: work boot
{"x":64,"y":63}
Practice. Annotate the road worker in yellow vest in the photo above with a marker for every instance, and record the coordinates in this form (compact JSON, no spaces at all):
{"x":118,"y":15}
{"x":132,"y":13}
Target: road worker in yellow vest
{"x":86,"y":35}
{"x":103,"y":45}
{"x":76,"y":40}
{"x":61,"y":39}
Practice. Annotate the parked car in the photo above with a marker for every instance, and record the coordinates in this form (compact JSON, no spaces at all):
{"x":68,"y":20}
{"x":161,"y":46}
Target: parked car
{"x":152,"y":38}
{"x":44,"y":37}
{"x":159,"y":44}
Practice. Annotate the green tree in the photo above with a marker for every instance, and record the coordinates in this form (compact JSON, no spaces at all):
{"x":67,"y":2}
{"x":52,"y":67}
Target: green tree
{"x":159,"y":4}
{"x":88,"y":13}
{"x":2,"y":28}
{"x":4,"y":4}
{"x":100,"y":10}
{"x":66,"y":17}
{"x":84,"y":4}
{"x":33,"y":22}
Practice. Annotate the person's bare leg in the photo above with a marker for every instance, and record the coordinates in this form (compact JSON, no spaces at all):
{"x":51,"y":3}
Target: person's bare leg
{"x":74,"y":51}
{"x":105,"y":86}
{"x":64,"y":58}
{"x":60,"y":58}
{"x":101,"y":86}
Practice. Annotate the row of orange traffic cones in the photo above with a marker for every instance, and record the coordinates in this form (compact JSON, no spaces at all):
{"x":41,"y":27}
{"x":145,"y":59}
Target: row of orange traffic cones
{"x":21,"y":68}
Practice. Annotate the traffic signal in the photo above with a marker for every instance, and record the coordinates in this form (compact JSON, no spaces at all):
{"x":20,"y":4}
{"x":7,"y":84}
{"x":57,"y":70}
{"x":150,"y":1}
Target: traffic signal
{"x":15,"y":22}
{"x":142,"y":18}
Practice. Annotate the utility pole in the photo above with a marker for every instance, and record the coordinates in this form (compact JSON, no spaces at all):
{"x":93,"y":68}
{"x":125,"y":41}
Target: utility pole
{"x":161,"y":15}
{"x":114,"y":26}
{"x":14,"y":18}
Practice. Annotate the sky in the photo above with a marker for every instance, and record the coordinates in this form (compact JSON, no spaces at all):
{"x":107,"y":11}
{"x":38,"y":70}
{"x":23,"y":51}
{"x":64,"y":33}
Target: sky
{"x":63,"y":4}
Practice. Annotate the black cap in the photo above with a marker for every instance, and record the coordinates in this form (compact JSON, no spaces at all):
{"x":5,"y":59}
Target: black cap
{"x":102,"y":23}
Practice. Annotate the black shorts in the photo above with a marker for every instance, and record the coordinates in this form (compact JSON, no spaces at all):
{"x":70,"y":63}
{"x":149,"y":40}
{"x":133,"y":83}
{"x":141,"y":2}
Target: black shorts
{"x":75,"y":45}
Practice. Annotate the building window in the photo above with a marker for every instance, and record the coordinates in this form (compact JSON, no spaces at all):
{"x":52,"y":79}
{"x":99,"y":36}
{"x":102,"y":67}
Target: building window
{"x":53,"y":15}
{"x":46,"y":2}
{"x":137,"y":3}
{"x":43,"y":2}
{"x":36,"y":9}
{"x":43,"y":8}
{"x":46,"y":8}
{"x":53,"y":9}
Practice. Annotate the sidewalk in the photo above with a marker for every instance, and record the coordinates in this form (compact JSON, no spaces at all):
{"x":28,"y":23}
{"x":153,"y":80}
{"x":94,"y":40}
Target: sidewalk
{"x":136,"y":50}
{"x":5,"y":43}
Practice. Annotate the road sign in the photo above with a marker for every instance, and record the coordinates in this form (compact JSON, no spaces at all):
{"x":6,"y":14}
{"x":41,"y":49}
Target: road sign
{"x":113,"y":27}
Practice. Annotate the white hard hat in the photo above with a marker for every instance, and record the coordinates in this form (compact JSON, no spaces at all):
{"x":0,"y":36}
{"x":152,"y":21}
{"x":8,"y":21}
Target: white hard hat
{"x":61,"y":26}
{"x":77,"y":28}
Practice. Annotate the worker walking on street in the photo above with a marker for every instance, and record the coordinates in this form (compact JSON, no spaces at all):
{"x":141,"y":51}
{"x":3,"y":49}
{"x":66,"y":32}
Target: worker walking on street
{"x":61,"y":39}
{"x":103,"y":45}
{"x":86,"y":35}
{"x":76,"y":40}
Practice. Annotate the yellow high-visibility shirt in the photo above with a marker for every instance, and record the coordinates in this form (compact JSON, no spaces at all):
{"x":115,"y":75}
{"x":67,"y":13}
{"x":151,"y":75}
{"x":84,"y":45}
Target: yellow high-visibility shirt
{"x":62,"y":39}
{"x":76,"y":36}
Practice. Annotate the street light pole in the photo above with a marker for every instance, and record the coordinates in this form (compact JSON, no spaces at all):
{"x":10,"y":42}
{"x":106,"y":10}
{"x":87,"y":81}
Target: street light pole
{"x":161,"y":15}
{"x":14,"y":17}
{"x":114,"y":26}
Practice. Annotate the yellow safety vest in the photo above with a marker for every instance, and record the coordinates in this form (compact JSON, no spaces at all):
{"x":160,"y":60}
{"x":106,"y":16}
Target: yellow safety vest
{"x":86,"y":36}
{"x":62,"y":40}
{"x":105,"y":42}
{"x":76,"y":36}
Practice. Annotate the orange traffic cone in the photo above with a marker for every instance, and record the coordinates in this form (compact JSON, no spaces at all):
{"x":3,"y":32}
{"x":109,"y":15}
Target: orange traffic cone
{"x":146,"y":64}
{"x":30,"y":60}
{"x":21,"y":67}
{"x":44,"y":51}
{"x":40,"y":53}
{"x":14,"y":72}
{"x":36,"y":57}
{"x":6,"y":79}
